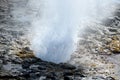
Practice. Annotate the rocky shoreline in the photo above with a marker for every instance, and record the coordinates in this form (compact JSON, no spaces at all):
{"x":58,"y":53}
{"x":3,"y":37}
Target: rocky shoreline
{"x":95,"y":58}
{"x":13,"y":67}
{"x":36,"y":69}
{"x":100,"y":46}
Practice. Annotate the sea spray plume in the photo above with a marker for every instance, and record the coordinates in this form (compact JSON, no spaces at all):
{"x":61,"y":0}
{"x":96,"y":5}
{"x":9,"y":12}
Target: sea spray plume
{"x":54,"y":32}
{"x":56,"y":24}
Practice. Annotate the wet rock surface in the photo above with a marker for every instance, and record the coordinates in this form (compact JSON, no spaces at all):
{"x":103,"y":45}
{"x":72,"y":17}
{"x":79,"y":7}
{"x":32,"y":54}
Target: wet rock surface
{"x":17,"y":61}
{"x":99,"y":49}
{"x":95,"y":58}
{"x":36,"y":69}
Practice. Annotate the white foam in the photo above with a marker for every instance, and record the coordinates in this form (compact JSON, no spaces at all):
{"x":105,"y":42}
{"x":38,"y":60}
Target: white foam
{"x":56,"y":24}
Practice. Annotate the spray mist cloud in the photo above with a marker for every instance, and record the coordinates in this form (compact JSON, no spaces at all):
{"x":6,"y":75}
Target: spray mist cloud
{"x":56,"y":23}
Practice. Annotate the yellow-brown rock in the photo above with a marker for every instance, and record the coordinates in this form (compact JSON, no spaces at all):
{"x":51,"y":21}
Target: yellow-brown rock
{"x":24,"y":53}
{"x":115,"y":44}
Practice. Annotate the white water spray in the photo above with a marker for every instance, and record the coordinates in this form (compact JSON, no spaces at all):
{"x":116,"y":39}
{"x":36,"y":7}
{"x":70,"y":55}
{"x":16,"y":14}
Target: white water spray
{"x":56,"y":23}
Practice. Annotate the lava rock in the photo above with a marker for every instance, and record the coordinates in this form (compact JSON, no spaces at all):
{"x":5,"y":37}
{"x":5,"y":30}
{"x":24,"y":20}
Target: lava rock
{"x":98,"y":78}
{"x":112,"y":30}
{"x":25,"y":74}
{"x":67,"y":66}
{"x":68,"y":78}
{"x":25,"y":65}
{"x":109,"y":78}
{"x":68,"y":73}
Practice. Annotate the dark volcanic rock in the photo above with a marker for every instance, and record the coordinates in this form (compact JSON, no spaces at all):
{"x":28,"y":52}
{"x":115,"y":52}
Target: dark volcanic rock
{"x":109,"y":78}
{"x":67,"y":66}
{"x":35,"y":69}
{"x":14,"y":67}
{"x":68,"y":78}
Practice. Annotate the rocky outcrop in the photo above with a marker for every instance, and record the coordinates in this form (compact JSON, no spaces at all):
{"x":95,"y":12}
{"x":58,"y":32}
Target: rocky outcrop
{"x":36,"y":69}
{"x":27,"y":67}
{"x":17,"y":61}
{"x":95,"y":58}
{"x":99,"y":47}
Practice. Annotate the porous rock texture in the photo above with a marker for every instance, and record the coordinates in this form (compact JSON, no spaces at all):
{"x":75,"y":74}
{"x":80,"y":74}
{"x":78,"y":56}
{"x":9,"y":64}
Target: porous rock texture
{"x":96,"y":58}
{"x":99,"y":48}
{"x":17,"y":61}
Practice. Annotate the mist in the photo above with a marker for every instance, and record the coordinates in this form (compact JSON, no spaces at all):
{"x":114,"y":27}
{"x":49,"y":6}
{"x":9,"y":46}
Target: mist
{"x":55,"y":24}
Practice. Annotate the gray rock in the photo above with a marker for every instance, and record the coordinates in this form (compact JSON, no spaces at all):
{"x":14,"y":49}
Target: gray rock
{"x":98,"y":78}
{"x":68,"y":78}
{"x":109,"y":78}
{"x":42,"y":78}
{"x":67,"y":66}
